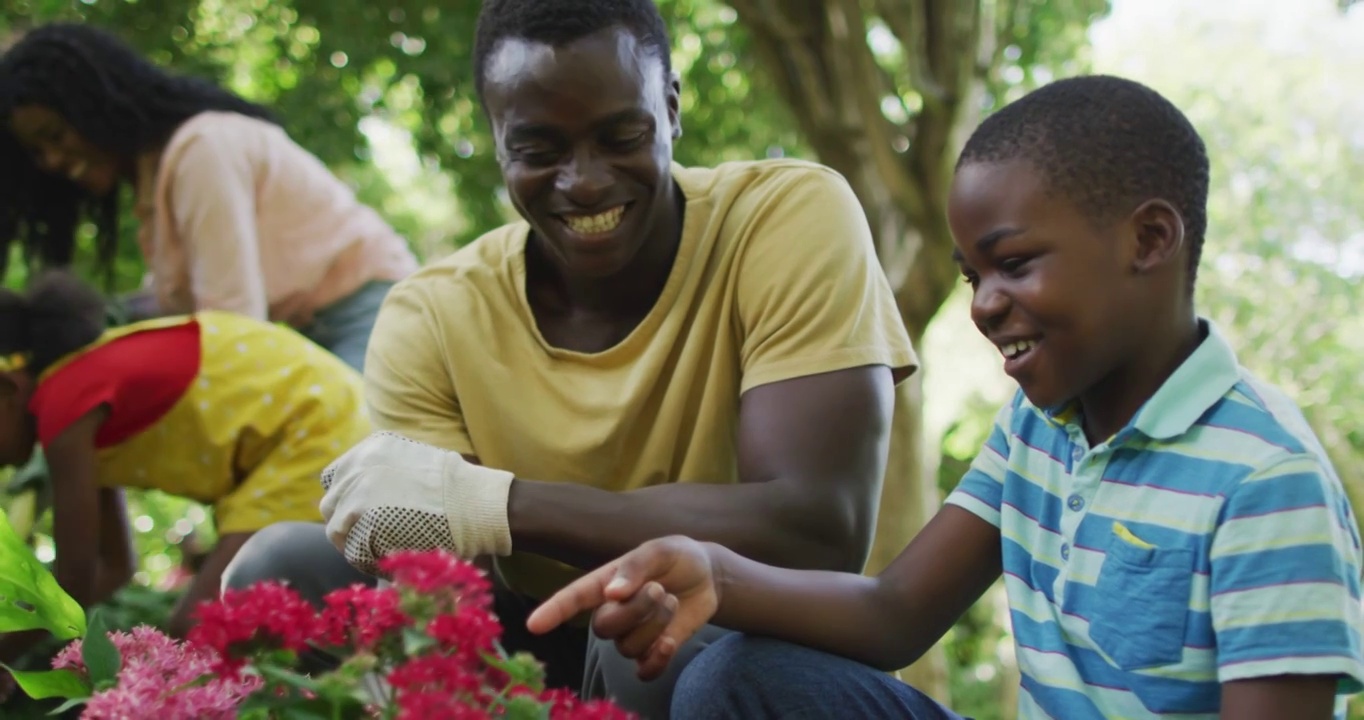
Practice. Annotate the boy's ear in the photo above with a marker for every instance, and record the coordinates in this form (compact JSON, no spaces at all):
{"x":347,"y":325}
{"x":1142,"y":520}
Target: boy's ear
{"x":1159,"y":231}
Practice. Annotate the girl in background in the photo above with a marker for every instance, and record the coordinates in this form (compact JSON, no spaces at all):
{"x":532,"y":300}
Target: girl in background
{"x":229,"y":411}
{"x":233,"y":215}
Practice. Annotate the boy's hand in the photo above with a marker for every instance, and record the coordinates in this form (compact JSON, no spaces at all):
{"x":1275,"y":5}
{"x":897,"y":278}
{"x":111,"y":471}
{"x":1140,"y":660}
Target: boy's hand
{"x":649,"y":601}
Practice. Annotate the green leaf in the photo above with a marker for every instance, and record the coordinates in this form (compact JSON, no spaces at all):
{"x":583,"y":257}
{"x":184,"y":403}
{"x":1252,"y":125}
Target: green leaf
{"x":526,"y":708}
{"x":102,"y":659}
{"x":30,"y":598}
{"x":44,"y":684}
{"x":289,"y":678}
{"x":521,"y":669}
{"x":415,"y":642}
{"x":315,"y":709}
{"x":73,"y":702}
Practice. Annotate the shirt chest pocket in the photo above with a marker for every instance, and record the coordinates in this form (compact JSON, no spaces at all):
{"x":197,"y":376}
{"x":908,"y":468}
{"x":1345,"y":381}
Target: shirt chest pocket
{"x":1142,"y":599}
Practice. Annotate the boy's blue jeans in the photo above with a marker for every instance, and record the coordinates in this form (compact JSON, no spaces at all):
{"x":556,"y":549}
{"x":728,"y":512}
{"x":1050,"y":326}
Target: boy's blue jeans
{"x":754,"y":678}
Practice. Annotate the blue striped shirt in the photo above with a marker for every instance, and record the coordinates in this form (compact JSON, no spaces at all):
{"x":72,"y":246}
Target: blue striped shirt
{"x":1210,"y":540}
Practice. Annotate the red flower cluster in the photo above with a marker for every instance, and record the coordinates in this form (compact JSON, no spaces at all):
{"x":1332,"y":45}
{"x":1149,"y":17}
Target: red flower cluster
{"x":358,"y":617}
{"x":266,"y":615}
{"x":430,"y":639}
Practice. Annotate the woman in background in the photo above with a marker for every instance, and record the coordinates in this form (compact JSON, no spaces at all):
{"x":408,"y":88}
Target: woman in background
{"x":233,"y":215}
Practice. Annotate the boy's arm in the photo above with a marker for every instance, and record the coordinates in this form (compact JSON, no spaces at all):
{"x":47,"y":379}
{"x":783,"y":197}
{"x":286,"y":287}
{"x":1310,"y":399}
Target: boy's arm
{"x":887,"y":621}
{"x":1304,"y":697}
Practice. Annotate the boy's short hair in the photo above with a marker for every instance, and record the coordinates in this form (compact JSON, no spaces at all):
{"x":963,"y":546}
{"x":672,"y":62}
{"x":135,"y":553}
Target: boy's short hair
{"x":1106,"y":144}
{"x":559,"y":22}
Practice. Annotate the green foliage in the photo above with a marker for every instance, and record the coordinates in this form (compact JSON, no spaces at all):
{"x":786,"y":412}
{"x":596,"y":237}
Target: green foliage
{"x":101,"y":658}
{"x":47,"y":684}
{"x":30,"y":598}
{"x":336,"y":72}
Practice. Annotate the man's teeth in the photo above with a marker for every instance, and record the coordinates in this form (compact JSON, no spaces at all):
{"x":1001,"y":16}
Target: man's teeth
{"x":1013,"y":350}
{"x":595,"y":224}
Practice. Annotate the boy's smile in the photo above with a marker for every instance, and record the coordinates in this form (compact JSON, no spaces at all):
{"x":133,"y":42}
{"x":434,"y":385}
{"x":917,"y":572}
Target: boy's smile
{"x":1052,"y":287}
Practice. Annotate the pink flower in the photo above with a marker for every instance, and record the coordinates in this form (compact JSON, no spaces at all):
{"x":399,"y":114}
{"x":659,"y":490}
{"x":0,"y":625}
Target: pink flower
{"x":155,"y":669}
{"x":434,"y":592}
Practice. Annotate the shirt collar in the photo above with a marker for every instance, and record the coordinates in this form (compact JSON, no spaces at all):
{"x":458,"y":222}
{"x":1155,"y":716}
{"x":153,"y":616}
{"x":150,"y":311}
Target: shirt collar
{"x":1196,"y":385}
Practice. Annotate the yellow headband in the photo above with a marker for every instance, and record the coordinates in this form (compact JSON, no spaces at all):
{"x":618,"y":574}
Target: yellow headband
{"x":13,"y":361}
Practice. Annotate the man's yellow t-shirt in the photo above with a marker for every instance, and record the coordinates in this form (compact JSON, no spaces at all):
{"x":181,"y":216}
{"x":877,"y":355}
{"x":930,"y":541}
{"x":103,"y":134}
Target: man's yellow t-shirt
{"x":776,"y":277}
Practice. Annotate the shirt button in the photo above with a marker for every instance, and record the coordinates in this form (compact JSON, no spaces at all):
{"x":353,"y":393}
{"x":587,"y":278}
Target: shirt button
{"x":1065,"y":551}
{"x":1075,"y":502}
{"x":1077,"y":453}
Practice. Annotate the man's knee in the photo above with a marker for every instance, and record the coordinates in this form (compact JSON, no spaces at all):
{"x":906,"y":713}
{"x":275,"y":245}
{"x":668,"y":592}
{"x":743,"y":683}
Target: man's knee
{"x":297,"y":553}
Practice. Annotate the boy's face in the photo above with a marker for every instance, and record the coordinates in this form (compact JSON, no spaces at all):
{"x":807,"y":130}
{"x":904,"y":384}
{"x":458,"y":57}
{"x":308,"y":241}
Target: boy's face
{"x":1052,"y":290}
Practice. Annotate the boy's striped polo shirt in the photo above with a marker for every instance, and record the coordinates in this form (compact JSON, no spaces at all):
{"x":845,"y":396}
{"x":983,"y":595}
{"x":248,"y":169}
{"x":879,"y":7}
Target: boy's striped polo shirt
{"x":1210,"y":540}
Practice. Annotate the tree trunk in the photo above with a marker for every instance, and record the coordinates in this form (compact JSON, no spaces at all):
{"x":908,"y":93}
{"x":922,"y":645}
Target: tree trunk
{"x":908,"y":500}
{"x":818,"y":55}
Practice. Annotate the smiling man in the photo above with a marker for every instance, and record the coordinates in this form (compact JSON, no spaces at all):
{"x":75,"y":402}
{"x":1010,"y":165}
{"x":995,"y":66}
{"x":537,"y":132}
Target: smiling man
{"x":651,"y":349}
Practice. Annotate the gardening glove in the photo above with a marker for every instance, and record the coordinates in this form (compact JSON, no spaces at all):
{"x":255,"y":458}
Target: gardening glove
{"x":389,"y":493}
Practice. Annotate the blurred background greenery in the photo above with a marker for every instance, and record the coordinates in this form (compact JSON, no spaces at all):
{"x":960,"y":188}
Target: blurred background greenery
{"x":882,"y":91}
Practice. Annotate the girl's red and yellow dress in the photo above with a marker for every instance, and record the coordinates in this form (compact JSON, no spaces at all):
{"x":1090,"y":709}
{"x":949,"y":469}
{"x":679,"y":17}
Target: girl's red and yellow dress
{"x":232,"y":412}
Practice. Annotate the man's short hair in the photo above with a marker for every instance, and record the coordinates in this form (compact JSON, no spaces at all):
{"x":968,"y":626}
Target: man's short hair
{"x":559,"y":22}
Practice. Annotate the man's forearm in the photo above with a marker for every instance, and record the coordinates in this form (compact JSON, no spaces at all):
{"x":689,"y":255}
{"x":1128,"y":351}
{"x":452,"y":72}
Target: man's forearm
{"x":773,"y":522}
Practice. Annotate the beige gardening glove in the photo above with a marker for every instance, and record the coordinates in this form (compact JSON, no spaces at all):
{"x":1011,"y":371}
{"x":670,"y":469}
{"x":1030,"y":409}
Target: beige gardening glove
{"x":389,"y":493}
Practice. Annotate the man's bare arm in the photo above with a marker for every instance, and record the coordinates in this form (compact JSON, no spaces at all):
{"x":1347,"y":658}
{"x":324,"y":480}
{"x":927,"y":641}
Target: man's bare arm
{"x":812,"y":453}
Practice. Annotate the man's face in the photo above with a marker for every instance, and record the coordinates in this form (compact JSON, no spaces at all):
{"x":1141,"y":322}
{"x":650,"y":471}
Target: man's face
{"x":584,"y":134}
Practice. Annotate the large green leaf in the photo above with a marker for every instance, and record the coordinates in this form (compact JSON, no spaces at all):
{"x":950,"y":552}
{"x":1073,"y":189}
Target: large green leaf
{"x":30,"y":598}
{"x":44,"y":684}
{"x":102,"y":659}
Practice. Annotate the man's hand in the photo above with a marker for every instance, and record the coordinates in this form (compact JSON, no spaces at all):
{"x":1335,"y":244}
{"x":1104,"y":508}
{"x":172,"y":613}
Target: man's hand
{"x":389,"y":493}
{"x":650,"y":601}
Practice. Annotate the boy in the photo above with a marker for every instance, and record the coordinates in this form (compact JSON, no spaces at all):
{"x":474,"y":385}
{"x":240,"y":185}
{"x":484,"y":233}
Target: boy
{"x":1172,"y":536}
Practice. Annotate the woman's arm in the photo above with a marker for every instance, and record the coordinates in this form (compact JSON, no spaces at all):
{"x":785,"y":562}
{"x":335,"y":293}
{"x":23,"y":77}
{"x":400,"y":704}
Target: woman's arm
{"x":117,"y":559}
{"x":77,"y":507}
